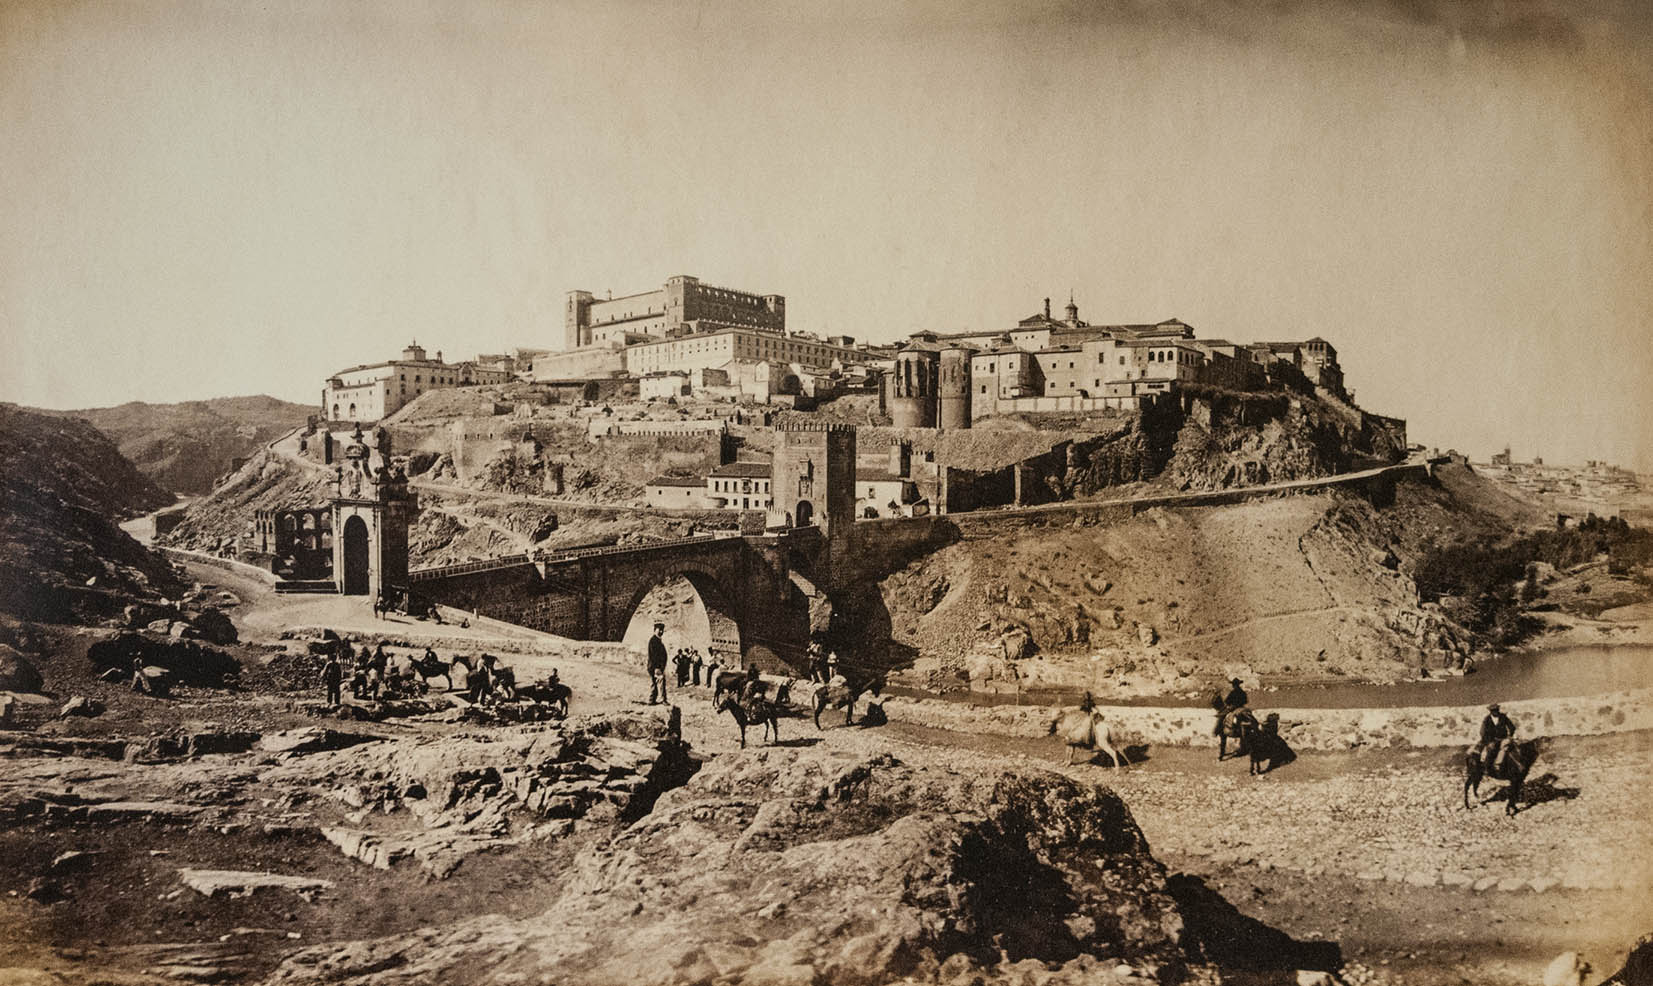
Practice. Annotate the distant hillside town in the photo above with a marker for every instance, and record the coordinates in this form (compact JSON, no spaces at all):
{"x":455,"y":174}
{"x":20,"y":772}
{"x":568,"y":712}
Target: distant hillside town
{"x":693,"y":340}
{"x":1598,"y":487}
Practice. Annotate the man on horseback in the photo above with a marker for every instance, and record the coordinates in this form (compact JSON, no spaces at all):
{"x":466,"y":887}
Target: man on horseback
{"x":1496,"y":732}
{"x":1236,"y":698}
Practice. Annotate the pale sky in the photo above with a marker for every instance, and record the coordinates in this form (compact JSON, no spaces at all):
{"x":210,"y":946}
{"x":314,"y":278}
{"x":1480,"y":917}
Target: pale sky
{"x":218,"y":198}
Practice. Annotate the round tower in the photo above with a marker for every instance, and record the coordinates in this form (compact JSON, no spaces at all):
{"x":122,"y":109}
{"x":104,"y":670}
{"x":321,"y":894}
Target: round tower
{"x":953,"y":388}
{"x":913,"y":389}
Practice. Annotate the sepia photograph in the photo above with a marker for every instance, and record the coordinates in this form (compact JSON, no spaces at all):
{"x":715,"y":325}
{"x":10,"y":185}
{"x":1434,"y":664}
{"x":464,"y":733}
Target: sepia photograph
{"x":737,"y":493}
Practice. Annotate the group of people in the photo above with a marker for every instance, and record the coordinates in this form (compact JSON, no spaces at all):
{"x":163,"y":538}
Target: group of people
{"x":689,"y":665}
{"x":823,"y":663}
{"x":372,"y":676}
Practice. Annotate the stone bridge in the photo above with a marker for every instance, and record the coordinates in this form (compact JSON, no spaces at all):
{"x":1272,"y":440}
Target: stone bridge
{"x":759,"y":592}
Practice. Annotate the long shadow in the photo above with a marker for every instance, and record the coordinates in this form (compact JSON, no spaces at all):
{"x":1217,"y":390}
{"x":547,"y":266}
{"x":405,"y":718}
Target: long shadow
{"x":1276,"y":753}
{"x":1216,"y":931}
{"x":797,"y":742}
{"x":1538,"y":791}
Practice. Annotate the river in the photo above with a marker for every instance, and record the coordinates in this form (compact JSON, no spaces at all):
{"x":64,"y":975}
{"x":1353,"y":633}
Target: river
{"x":1561,"y":672}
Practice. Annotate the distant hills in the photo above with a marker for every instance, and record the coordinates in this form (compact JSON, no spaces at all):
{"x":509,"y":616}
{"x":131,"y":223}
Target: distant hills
{"x":184,"y":447}
{"x":63,"y":486}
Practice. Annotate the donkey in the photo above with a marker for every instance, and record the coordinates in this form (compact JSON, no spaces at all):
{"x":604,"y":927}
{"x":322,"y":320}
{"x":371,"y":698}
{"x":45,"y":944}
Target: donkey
{"x":751,"y":713}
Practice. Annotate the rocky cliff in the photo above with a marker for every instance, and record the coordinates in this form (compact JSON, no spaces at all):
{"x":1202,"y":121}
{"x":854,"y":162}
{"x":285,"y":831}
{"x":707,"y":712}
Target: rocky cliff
{"x":184,"y":447}
{"x":267,"y":481}
{"x":63,"y":486}
{"x":1314,"y":586}
{"x":796,"y":866}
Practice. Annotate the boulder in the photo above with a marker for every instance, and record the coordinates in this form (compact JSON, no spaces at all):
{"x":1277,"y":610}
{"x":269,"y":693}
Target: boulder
{"x":144,"y":614}
{"x":16,"y":673}
{"x":211,"y":883}
{"x":80,"y":705}
{"x":1015,"y":644}
{"x":187,"y":661}
{"x":214,"y":627}
{"x":1148,"y":635}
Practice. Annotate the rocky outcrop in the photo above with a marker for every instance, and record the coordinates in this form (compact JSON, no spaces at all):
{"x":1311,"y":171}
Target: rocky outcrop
{"x":63,"y":486}
{"x":473,"y":792}
{"x":786,"y":866}
{"x":188,"y":662}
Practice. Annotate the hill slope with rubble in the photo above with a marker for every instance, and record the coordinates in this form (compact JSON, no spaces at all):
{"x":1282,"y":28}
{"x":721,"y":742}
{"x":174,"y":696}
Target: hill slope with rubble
{"x":183,"y":447}
{"x":63,"y":486}
{"x":1307,"y":586}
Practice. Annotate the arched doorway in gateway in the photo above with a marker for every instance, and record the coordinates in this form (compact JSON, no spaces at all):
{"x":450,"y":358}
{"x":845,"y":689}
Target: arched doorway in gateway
{"x":357,"y":572}
{"x":804,"y":515}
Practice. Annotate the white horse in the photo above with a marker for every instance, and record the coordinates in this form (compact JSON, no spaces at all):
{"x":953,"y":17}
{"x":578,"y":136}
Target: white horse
{"x":1080,"y":728}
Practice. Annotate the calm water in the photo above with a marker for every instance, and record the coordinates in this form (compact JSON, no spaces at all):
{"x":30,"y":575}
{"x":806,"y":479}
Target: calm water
{"x":1559,"y":673}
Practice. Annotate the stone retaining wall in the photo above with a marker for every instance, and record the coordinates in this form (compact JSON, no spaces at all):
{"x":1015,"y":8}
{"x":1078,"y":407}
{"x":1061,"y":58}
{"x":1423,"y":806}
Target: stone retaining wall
{"x":228,"y":564}
{"x":1309,"y":729}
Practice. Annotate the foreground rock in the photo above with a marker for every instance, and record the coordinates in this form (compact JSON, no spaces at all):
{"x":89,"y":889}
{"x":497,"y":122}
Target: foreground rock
{"x":779,"y":866}
{"x":211,"y":883}
{"x":474,"y":792}
{"x":16,"y":673}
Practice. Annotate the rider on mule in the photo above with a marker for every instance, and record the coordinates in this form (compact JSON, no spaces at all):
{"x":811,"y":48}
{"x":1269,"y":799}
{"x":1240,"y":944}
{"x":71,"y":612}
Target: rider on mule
{"x":752,"y":688}
{"x":1236,"y":698}
{"x":1496,"y":732}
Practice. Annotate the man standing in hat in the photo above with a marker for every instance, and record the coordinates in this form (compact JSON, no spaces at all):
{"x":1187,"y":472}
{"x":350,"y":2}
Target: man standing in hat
{"x":657,"y":664}
{"x":1496,"y":732}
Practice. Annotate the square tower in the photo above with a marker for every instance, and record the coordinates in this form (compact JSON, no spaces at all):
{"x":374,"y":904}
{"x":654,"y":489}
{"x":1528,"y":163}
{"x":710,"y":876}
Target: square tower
{"x":813,"y":478}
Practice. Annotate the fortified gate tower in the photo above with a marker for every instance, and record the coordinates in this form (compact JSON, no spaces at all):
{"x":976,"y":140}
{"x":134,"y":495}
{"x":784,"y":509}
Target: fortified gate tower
{"x":372,"y":509}
{"x":813,"y":480}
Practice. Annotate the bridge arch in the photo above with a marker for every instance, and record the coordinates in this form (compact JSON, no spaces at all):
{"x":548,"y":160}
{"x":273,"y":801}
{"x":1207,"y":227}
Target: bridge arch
{"x":698,"y":612}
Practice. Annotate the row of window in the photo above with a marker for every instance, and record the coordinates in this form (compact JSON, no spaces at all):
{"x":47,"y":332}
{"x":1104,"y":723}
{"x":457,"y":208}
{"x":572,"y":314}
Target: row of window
{"x":744,"y":485}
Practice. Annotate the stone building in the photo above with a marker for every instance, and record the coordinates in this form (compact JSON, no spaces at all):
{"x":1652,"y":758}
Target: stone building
{"x":740,"y":486}
{"x":813,"y":478}
{"x":373,"y":391}
{"x":953,"y":387}
{"x":298,"y":540}
{"x":914,"y":385}
{"x":718,"y":347}
{"x":682,"y":306}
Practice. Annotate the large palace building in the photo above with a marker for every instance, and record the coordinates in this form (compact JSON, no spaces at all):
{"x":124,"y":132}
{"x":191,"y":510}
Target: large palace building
{"x":683,"y":306}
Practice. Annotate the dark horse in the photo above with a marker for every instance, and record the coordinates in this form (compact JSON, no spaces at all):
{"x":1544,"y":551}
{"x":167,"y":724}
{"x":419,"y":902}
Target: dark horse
{"x":750,"y":714}
{"x":381,"y":604}
{"x":1517,"y":763}
{"x":429,"y":667}
{"x":843,"y":696}
{"x":1231,"y":724}
{"x":551,"y":691}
